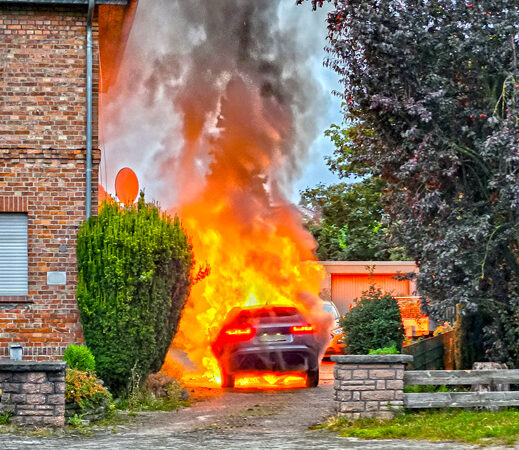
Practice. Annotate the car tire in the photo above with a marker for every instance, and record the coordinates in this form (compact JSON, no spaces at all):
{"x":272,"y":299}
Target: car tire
{"x":312,"y":377}
{"x":227,"y":380}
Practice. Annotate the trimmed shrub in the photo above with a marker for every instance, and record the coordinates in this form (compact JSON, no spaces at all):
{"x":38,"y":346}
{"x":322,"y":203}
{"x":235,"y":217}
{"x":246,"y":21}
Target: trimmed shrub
{"x":85,"y":396}
{"x":374,"y":322}
{"x":392,"y":350}
{"x":79,"y":357}
{"x":133,"y":279}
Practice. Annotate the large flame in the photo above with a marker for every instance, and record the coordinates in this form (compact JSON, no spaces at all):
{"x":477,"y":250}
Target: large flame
{"x":255,"y":251}
{"x":214,"y":108}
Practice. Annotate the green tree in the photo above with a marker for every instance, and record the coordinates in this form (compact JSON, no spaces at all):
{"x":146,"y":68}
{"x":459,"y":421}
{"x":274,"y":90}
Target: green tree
{"x":431,"y":87}
{"x":346,"y":221}
{"x":134,"y":275}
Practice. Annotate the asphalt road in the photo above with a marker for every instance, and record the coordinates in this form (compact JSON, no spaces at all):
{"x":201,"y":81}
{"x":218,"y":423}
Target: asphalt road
{"x":229,"y":420}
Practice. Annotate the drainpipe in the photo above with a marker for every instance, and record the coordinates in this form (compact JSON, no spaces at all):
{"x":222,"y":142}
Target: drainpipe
{"x":91,"y":6}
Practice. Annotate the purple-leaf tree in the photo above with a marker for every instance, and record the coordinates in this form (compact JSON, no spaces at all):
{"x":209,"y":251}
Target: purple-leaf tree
{"x":431,"y":88}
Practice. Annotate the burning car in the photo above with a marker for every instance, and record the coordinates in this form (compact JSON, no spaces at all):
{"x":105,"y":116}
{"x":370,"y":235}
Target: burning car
{"x":267,"y":339}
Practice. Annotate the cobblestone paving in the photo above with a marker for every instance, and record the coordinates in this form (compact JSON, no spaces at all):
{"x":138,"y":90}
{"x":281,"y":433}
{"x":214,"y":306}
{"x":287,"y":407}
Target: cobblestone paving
{"x":217,"y":440}
{"x":230,"y":420}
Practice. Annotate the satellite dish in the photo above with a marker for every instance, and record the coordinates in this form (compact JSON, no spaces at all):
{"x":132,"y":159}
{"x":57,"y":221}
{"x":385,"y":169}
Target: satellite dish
{"x":126,"y":186}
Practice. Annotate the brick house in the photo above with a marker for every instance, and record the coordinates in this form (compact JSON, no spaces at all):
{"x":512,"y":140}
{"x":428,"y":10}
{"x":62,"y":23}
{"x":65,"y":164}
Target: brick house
{"x":44,"y":159}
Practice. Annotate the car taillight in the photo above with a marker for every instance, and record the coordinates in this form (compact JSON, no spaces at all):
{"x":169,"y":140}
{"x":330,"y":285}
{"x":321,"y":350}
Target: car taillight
{"x":302,"y":329}
{"x":239,"y":331}
{"x":239,"y":334}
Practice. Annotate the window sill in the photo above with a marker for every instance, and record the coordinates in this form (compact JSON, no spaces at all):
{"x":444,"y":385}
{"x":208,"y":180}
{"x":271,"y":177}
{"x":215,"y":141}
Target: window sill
{"x":15,"y":299}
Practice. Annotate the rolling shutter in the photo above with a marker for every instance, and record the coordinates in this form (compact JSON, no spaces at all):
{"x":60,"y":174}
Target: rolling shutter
{"x":13,"y":254}
{"x":347,"y":287}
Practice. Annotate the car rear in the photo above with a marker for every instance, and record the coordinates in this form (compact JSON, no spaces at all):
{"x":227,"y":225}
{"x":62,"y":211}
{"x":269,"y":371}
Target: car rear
{"x":267,"y":339}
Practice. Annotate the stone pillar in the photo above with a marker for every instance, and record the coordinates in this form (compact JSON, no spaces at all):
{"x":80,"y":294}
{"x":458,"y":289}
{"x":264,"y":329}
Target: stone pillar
{"x":369,"y":385}
{"x":33,"y":392}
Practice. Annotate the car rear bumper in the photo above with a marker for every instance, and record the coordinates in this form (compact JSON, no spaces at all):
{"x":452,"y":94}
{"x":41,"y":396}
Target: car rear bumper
{"x":277,"y":358}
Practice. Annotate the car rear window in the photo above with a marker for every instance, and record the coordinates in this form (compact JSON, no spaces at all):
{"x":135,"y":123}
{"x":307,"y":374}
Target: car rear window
{"x":260,"y":313}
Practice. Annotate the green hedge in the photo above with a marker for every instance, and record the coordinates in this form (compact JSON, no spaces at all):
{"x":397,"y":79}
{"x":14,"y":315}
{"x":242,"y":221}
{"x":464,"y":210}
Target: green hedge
{"x":134,"y":276}
{"x":373,"y":323}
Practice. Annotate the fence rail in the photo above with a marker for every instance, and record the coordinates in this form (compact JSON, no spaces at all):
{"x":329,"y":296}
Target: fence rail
{"x":461,"y":399}
{"x":461,"y":377}
{"x":489,"y":378}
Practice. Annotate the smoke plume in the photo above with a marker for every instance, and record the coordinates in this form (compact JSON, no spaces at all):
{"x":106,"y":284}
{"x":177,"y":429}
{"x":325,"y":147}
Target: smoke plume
{"x":215,"y":108}
{"x":184,"y":60}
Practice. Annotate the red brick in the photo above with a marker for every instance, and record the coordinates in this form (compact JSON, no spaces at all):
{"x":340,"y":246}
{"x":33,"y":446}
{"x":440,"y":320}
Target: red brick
{"x":42,"y":165}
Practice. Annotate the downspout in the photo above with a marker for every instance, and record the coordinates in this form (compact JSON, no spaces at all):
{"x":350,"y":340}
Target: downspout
{"x":91,"y":6}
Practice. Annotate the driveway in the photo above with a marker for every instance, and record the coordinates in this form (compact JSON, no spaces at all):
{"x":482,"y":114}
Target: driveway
{"x":229,"y":420}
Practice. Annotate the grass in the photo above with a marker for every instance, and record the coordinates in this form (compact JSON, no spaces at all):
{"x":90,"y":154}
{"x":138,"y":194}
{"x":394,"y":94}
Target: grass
{"x":5,"y":419}
{"x":474,"y":427}
{"x":142,"y":400}
{"x":75,"y":421}
{"x":432,"y":388}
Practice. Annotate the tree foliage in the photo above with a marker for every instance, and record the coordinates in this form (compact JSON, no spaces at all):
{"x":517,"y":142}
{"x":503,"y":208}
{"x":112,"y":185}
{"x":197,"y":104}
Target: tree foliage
{"x":373,"y":323}
{"x":431,"y":87}
{"x":134,"y":276}
{"x":346,"y":221}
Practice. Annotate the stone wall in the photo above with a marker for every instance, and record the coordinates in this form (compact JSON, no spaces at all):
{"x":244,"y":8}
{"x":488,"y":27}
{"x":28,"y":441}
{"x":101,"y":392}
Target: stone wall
{"x":369,"y":385}
{"x":33,"y":392}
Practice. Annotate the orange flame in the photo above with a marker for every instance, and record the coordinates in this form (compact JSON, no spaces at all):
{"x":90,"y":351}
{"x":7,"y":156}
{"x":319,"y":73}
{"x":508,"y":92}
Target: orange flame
{"x":251,"y":240}
{"x":270,"y":380}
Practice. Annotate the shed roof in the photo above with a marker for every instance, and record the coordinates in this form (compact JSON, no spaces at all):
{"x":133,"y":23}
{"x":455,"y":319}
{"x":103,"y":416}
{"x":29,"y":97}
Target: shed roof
{"x":366,"y":267}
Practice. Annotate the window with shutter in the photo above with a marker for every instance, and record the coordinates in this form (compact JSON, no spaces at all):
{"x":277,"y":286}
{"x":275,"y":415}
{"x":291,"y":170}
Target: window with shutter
{"x":13,"y":254}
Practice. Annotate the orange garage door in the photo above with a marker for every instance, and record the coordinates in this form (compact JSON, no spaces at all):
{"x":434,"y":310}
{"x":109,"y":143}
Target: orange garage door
{"x":347,"y":287}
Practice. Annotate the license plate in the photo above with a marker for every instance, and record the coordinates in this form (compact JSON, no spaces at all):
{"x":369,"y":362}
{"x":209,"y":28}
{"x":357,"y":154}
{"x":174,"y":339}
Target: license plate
{"x":272,"y":337}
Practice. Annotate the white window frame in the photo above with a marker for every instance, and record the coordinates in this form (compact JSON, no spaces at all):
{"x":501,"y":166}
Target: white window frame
{"x":14,"y":257}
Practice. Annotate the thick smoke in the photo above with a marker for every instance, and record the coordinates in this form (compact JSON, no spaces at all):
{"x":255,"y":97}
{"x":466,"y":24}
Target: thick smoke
{"x":215,"y":109}
{"x":219,"y":88}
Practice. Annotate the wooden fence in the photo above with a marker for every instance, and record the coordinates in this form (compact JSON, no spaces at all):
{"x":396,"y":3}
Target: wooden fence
{"x":495,"y":381}
{"x":433,"y":353}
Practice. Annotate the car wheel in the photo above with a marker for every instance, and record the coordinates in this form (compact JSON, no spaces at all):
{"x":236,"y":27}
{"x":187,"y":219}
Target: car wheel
{"x":312,"y":377}
{"x":227,"y":380}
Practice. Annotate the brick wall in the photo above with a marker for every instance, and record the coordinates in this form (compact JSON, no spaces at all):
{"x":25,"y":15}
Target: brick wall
{"x":42,"y":165}
{"x":43,"y":81}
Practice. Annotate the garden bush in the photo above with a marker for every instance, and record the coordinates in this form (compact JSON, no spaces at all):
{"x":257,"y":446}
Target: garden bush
{"x":392,"y":350}
{"x":159,"y":393}
{"x":79,"y":357}
{"x":85,"y":396}
{"x":133,"y":278}
{"x":374,"y":322}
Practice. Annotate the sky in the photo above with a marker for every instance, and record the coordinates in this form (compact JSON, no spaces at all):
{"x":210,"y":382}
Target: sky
{"x":316,"y":171}
{"x":169,"y":43}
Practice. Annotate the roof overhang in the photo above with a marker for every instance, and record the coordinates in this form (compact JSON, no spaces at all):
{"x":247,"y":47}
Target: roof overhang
{"x":367,"y":267}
